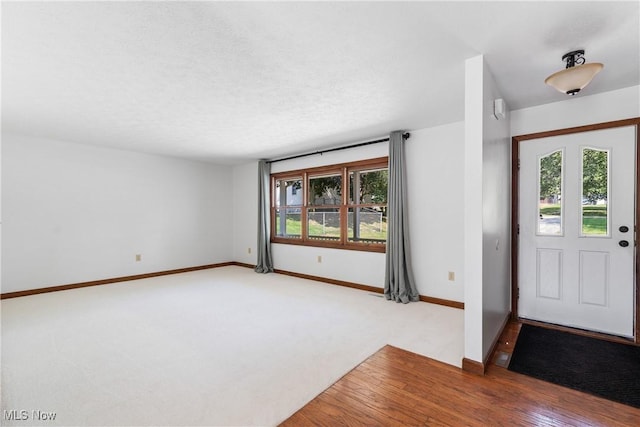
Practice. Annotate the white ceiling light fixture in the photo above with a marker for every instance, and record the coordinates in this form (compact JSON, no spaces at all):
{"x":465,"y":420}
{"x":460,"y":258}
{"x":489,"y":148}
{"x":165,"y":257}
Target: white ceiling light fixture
{"x":576,"y":75}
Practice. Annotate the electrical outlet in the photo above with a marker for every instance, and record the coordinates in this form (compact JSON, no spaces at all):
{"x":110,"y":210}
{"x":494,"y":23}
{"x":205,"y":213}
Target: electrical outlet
{"x":248,"y":250}
{"x":319,"y":258}
{"x":138,"y":257}
{"x":452,"y":276}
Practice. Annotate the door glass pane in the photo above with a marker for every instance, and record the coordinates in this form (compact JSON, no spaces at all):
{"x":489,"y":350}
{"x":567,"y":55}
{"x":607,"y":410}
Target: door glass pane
{"x":595,"y":192}
{"x":550,"y":194}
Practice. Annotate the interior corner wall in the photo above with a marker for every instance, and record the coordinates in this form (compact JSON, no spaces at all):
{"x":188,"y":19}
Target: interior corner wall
{"x":245,"y":213}
{"x":435,"y":175}
{"x":473,"y":202}
{"x":496,"y":216}
{"x":487,"y":213}
{"x":74,"y":213}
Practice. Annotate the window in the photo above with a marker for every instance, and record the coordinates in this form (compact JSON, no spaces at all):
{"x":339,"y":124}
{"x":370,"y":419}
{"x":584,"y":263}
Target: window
{"x":288,"y":202}
{"x":550,"y":194}
{"x":368,"y":205}
{"x":340,"y":206}
{"x":323,"y":213}
{"x":595,"y":192}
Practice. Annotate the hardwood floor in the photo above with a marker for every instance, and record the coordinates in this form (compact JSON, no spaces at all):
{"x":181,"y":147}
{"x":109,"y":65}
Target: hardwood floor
{"x":397,"y":388}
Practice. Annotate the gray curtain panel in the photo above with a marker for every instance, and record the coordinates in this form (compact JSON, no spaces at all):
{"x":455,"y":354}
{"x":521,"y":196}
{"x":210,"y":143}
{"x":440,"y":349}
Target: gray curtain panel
{"x":399,"y":284}
{"x":264,"y":263}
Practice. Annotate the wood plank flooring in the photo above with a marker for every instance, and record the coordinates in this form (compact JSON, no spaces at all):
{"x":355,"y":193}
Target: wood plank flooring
{"x":395,"y":387}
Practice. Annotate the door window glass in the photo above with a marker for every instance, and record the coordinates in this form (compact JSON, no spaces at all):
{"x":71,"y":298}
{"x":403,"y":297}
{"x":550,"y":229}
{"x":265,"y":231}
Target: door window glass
{"x":550,"y":194}
{"x":595,"y":192}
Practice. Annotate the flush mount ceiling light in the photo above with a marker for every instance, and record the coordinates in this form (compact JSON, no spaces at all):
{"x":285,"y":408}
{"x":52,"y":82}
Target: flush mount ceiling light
{"x":576,"y":75}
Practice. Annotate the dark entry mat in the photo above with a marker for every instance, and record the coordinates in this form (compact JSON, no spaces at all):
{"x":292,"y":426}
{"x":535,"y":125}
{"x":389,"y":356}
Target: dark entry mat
{"x":602,"y":368}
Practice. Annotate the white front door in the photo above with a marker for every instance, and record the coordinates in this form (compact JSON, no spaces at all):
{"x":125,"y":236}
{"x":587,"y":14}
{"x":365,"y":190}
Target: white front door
{"x":577,"y":210}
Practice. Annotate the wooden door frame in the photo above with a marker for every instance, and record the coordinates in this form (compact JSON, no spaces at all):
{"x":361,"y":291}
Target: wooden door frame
{"x":515,"y":205}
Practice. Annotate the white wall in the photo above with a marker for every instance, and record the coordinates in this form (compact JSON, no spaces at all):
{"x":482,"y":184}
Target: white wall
{"x":0,"y":209}
{"x":435,"y":192}
{"x":487,"y":212}
{"x":473,"y":157}
{"x":577,"y":111}
{"x":75,"y":213}
{"x":245,"y":212}
{"x":496,"y":216}
{"x":434,"y":181}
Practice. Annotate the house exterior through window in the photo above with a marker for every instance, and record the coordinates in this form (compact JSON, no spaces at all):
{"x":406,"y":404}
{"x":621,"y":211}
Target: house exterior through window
{"x":341,"y":206}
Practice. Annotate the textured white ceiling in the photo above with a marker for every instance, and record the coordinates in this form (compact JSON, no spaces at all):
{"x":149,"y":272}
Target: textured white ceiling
{"x":230,"y":82}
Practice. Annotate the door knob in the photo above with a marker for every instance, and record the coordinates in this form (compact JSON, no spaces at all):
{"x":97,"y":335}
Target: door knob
{"x":623,"y":228}
{"x":623,"y":243}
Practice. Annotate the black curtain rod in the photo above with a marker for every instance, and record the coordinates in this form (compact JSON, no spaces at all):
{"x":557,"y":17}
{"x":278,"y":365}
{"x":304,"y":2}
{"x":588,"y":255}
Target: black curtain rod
{"x":361,"y":144}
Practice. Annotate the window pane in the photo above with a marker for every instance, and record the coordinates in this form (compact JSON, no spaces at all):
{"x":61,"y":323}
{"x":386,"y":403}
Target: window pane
{"x":367,"y":224}
{"x":324,"y":223}
{"x":325,"y":190}
{"x":550,"y":194}
{"x":288,"y":225}
{"x":368,"y":186}
{"x":595,"y":192}
{"x":289,"y":191}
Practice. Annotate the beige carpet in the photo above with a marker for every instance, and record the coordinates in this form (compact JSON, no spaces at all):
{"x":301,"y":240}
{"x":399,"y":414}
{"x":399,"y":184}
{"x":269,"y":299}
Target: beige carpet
{"x":215,"y":347}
